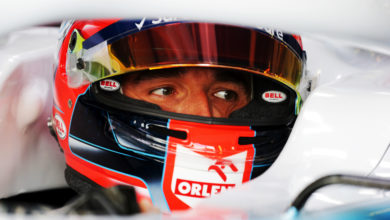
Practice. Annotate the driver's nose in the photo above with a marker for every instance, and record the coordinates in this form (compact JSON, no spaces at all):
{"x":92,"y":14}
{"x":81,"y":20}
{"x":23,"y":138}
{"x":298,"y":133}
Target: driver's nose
{"x":198,"y":104}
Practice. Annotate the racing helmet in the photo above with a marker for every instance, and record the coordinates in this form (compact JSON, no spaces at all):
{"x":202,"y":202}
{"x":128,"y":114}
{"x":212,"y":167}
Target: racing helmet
{"x":110,"y":136}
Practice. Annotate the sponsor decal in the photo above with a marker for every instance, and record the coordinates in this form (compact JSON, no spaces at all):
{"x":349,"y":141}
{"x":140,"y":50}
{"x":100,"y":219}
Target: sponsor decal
{"x":274,"y":32}
{"x":205,"y":167}
{"x":140,"y":24}
{"x":157,"y":21}
{"x":109,"y":85}
{"x":199,"y":189}
{"x":60,"y":126}
{"x":220,"y":165}
{"x":274,"y":96}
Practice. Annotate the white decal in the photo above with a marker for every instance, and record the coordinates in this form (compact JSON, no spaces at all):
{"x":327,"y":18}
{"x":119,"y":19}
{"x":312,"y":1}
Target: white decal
{"x":109,"y":85}
{"x":163,"y":20}
{"x":155,"y":21}
{"x":211,"y":177}
{"x":273,"y":32}
{"x":279,"y":34}
{"x":60,"y":126}
{"x":274,"y":96}
{"x":270,"y":31}
{"x":197,"y":189}
{"x":141,"y":24}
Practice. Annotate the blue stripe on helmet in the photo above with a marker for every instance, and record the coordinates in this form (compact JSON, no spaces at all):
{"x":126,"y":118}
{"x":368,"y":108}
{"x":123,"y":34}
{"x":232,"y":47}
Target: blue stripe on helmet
{"x":120,"y":29}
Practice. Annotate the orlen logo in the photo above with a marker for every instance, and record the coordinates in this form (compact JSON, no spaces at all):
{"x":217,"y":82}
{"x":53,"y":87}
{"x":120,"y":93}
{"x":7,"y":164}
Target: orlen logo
{"x":60,"y":126}
{"x":274,"y":96}
{"x":220,"y":165}
{"x":109,"y":85}
{"x":199,"y":189}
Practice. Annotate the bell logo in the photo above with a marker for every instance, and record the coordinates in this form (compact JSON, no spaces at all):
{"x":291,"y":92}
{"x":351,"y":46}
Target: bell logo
{"x":274,"y":96}
{"x":60,"y":126}
{"x":109,"y":85}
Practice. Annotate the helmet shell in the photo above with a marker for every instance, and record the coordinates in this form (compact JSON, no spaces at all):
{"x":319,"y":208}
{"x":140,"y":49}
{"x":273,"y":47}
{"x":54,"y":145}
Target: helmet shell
{"x":188,"y":160}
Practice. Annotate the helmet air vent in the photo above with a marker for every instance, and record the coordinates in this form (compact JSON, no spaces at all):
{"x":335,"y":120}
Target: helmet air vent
{"x":169,"y":132}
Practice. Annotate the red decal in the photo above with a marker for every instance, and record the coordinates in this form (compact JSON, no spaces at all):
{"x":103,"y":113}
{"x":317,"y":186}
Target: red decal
{"x":298,"y":39}
{"x":274,"y":96}
{"x":220,"y":165}
{"x":109,"y":85}
{"x":60,"y":126}
{"x":201,"y":166}
{"x":199,"y":189}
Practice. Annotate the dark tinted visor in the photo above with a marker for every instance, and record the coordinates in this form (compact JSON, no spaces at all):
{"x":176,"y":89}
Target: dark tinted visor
{"x":189,"y":44}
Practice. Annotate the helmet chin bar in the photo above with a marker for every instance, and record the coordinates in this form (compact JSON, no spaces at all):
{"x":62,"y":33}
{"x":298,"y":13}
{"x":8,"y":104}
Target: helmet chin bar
{"x":135,"y":139}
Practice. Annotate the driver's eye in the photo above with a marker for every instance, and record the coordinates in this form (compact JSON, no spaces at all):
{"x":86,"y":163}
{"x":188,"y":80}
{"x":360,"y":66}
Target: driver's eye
{"x":164,"y":91}
{"x":226,"y":95}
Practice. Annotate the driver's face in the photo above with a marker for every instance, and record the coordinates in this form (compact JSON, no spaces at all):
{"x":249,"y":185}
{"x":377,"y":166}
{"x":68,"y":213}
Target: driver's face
{"x":194,"y":91}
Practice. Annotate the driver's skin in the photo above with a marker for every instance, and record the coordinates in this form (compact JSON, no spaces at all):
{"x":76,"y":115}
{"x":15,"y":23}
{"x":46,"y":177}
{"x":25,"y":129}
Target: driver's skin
{"x":207,"y":92}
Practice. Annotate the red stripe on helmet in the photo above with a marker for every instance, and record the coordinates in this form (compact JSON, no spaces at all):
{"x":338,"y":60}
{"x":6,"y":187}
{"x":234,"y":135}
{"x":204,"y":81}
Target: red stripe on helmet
{"x":208,"y":162}
{"x":299,"y":40}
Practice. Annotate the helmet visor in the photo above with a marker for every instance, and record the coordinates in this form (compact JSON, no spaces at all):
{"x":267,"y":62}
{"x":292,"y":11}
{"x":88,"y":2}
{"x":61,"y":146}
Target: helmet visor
{"x":187,"y":44}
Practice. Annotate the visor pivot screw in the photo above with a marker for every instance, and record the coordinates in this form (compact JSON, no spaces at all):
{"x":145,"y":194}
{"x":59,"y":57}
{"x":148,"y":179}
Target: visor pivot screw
{"x":50,"y":125}
{"x":80,"y":64}
{"x":69,"y":103}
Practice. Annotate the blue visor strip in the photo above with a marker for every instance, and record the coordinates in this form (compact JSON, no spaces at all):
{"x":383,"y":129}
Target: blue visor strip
{"x":120,"y":29}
